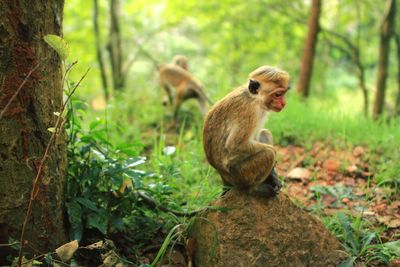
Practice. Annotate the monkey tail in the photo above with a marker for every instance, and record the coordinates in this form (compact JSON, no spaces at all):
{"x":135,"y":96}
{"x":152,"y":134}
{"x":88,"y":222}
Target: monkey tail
{"x":205,"y":97}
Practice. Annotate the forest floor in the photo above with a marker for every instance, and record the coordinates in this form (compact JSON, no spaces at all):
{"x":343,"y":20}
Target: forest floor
{"x":330,"y":180}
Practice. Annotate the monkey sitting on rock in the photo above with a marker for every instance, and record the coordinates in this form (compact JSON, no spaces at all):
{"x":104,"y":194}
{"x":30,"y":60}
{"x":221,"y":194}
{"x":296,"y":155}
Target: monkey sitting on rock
{"x":233,"y":141}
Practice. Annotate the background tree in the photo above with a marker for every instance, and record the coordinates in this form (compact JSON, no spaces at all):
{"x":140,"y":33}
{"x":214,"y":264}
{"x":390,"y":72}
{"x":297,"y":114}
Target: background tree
{"x":397,"y":103}
{"x":386,"y":32}
{"x":303,"y":86}
{"x":114,"y":46}
{"x":99,"y":50}
{"x":31,"y":91}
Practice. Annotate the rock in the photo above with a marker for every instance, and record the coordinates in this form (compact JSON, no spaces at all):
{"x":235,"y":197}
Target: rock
{"x":256,"y":231}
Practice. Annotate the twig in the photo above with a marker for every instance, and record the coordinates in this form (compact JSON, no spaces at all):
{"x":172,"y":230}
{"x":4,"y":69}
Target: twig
{"x":10,"y":244}
{"x":17,"y":92}
{"x":35,"y":187}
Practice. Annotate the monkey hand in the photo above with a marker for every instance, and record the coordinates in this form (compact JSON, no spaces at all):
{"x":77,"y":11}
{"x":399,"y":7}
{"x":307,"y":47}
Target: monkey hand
{"x":270,"y":187}
{"x":273,"y":180}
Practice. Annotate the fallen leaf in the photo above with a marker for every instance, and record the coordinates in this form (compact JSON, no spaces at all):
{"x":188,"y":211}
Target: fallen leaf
{"x":299,"y":174}
{"x":328,"y":200}
{"x":66,"y":251}
{"x":366,"y":174}
{"x":394,"y":263}
{"x":96,"y":245}
{"x":380,"y":208}
{"x":331,"y":165}
{"x":345,"y":200}
{"x":358,"y":151}
{"x":351,"y":170}
{"x":389,"y":221}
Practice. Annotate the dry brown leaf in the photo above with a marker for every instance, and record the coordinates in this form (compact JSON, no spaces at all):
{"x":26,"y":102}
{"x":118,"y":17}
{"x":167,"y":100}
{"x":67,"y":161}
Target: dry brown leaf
{"x":299,"y":174}
{"x":327,"y":200}
{"x":358,"y":151}
{"x":96,"y":245}
{"x":352,"y":170}
{"x":66,"y":251}
{"x":394,"y":263}
{"x":380,"y":208}
{"x":389,"y":221}
{"x":332,"y":165}
{"x":367,"y":174}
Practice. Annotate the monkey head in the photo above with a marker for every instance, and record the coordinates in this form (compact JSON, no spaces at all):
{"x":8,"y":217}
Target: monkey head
{"x":181,"y":61}
{"x":268,"y":85}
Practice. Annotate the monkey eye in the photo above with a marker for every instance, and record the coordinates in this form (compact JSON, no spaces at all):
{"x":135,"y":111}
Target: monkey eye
{"x":278,"y":94}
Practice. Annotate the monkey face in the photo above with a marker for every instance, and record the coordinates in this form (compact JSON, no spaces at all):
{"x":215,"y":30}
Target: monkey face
{"x":273,"y":96}
{"x":276,"y":99}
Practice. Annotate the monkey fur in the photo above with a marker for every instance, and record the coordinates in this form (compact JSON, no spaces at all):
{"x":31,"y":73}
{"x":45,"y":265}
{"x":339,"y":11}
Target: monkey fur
{"x":175,"y":76}
{"x":233,"y":139}
{"x":181,"y":61}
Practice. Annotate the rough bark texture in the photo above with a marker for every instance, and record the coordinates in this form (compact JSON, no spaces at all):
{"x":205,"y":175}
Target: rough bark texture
{"x":303,"y":86}
{"x":262,"y":232}
{"x":23,"y":127}
{"x":387,"y":28}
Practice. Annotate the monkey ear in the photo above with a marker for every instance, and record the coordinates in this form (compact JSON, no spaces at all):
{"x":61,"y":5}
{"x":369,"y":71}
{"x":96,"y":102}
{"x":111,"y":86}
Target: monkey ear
{"x":253,"y":86}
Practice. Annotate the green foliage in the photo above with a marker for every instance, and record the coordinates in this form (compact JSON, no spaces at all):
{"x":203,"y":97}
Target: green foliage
{"x":58,"y":44}
{"x":337,"y":191}
{"x":359,"y":241}
{"x":97,"y":172}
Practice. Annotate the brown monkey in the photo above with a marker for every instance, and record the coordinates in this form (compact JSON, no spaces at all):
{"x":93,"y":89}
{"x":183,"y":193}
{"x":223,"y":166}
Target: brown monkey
{"x":185,"y":84}
{"x":233,"y":141}
{"x":181,"y":61}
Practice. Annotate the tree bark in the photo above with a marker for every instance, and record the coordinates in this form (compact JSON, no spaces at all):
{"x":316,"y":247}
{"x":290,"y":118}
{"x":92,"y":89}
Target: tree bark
{"x":99,"y":51}
{"x":303,"y":86}
{"x":397,"y":104}
{"x":115,"y":48}
{"x":386,"y":33}
{"x":24,"y":123}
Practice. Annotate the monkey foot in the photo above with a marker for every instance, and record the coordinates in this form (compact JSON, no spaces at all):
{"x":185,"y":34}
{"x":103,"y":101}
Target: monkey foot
{"x":265,"y":190}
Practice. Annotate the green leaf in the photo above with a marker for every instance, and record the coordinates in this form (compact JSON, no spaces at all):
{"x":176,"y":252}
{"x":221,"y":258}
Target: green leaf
{"x":87,"y":203}
{"x":58,"y":44}
{"x":74,"y":211}
{"x":99,"y":221}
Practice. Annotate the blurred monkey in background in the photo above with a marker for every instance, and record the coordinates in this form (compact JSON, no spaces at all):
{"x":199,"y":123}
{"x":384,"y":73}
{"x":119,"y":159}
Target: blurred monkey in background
{"x":180,"y":85}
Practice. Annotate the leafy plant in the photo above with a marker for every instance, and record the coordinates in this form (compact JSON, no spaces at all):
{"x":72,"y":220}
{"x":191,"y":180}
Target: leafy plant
{"x":102,"y":185}
{"x":337,"y":191}
{"x":357,"y":239}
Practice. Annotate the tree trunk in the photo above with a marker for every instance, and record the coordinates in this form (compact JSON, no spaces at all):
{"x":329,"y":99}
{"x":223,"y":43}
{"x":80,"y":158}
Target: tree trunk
{"x":114,"y":47}
{"x":397,"y":104}
{"x":99,"y":51}
{"x":24,"y":122}
{"x":303,"y":86}
{"x":387,"y":28}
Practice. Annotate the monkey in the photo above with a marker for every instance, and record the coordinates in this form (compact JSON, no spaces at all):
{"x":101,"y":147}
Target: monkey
{"x":175,"y":76}
{"x":233,"y":139}
{"x":181,"y":61}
